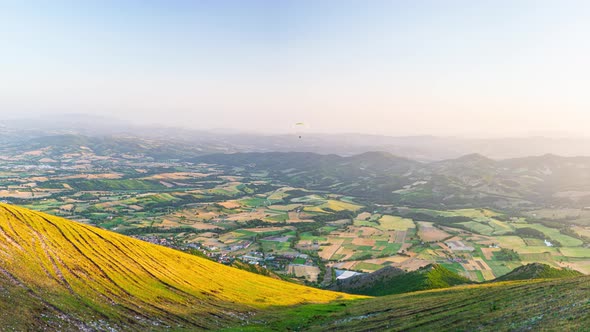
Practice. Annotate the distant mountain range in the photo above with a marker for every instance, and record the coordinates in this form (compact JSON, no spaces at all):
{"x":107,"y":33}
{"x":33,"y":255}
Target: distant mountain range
{"x":421,"y":148}
{"x":375,"y":177}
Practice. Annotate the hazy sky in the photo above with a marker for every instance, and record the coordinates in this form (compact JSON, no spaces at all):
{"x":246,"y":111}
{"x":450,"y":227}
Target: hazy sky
{"x":485,"y":68}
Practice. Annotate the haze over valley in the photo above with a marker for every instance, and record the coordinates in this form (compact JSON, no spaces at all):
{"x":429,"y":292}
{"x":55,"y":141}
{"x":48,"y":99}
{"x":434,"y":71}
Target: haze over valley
{"x":294,"y":166}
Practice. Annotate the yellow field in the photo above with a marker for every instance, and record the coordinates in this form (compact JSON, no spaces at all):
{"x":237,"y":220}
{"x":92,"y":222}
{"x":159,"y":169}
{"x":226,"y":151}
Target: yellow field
{"x":22,"y":194}
{"x":334,"y":205}
{"x":230,"y":204}
{"x":583,"y":231}
{"x":279,"y":193}
{"x":340,"y":205}
{"x":474,"y":213}
{"x":511,"y":242}
{"x":500,"y":225}
{"x":395,"y":223}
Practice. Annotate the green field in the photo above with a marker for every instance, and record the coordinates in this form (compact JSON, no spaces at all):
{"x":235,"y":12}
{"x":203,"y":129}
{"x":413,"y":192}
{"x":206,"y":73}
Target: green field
{"x":279,"y":217}
{"x":500,"y":227}
{"x":309,"y":236}
{"x":565,"y":240}
{"x":538,"y":250}
{"x":534,"y":242}
{"x":500,"y":267}
{"x":253,"y":202}
{"x":510,"y":241}
{"x":275,"y":246}
{"x":576,"y":252}
{"x":309,"y":199}
{"x":367,"y":266}
{"x":478,"y":227}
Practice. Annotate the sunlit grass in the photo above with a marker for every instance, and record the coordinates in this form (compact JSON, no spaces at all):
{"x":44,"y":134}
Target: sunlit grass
{"x":80,"y":267}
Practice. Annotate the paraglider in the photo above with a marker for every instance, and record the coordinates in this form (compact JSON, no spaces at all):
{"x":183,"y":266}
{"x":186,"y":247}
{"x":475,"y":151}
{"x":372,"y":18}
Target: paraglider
{"x":299,"y":125}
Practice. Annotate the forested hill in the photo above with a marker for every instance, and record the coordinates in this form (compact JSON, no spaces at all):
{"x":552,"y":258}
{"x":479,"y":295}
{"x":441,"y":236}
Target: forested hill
{"x":384,"y":178}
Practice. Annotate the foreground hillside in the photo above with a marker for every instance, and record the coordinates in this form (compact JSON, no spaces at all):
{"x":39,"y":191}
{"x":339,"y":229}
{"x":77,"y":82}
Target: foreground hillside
{"x":62,"y":275}
{"x":56,"y":274}
{"x":539,"y":305}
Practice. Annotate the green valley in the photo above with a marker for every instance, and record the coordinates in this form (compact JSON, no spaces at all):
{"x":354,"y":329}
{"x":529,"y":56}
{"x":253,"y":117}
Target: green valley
{"x":302,"y":218}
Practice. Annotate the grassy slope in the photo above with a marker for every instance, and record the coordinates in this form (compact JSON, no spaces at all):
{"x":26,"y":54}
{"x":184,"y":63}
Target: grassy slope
{"x":539,"y":305}
{"x":80,"y":275}
{"x":537,"y":271}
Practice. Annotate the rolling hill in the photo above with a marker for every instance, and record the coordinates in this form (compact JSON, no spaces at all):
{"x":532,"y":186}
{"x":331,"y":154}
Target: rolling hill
{"x":59,"y":147}
{"x":377,"y":177}
{"x":62,"y":275}
{"x":391,"y":280}
{"x":537,"y":271}
{"x":380,"y":177}
{"x":373,"y":175}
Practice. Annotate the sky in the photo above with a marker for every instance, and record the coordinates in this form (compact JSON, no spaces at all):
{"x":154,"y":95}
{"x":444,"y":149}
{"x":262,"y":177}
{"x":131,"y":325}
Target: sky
{"x":453,"y":68}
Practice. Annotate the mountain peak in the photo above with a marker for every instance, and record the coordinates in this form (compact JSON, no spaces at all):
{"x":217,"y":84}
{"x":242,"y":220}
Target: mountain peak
{"x":474,"y":157}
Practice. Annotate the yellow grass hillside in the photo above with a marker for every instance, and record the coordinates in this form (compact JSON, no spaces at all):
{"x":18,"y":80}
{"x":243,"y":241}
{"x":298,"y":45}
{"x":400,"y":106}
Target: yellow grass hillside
{"x":89,"y":277}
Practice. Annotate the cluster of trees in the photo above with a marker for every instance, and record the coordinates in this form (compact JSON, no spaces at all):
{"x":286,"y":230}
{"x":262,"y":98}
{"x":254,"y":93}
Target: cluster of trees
{"x":530,"y":232}
{"x":296,"y":193}
{"x":436,"y":218}
{"x":338,"y":215}
{"x":113,"y":185}
{"x":507,"y":255}
{"x":535,"y":234}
